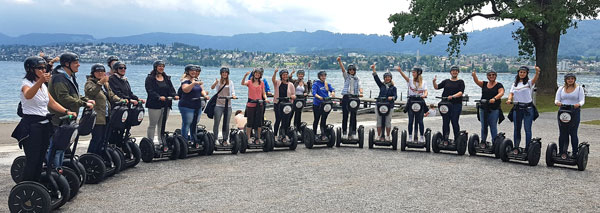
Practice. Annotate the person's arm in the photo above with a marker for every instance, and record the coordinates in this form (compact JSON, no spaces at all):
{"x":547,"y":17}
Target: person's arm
{"x":499,"y":96}
{"x":114,"y":84}
{"x":331,"y":90}
{"x":187,"y":87}
{"x":232,"y":89}
{"x":537,"y":75}
{"x":461,"y":87}
{"x":581,"y":98}
{"x":91,"y":89}
{"x":214,"y":84}
{"x":376,"y":77}
{"x":557,"y":100}
{"x":476,"y":80}
{"x":314,"y":91}
{"x":435,"y":85}
{"x":291,"y":91}
{"x":395,"y":92}
{"x":149,"y":85}
{"x":339,"y":60}
{"x":264,"y":95}
{"x":114,"y":98}
{"x":244,"y":78}
{"x":29,"y":92}
{"x":403,"y":75}
{"x":510,"y":97}
{"x":274,"y":78}
{"x":57,"y":107}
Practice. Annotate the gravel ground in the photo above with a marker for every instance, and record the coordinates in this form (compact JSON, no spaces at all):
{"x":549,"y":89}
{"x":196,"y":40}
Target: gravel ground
{"x":348,"y":180}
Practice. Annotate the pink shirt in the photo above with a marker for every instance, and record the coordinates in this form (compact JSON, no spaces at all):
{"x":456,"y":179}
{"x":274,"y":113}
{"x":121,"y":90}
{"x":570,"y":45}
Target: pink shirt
{"x":291,"y":90}
{"x":255,"y":92}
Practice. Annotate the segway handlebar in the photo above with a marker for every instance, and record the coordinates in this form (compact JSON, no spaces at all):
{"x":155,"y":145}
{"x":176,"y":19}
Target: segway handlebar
{"x":199,"y":98}
{"x":443,"y":98}
{"x":482,"y":101}
{"x":226,"y":97}
{"x":67,"y":118}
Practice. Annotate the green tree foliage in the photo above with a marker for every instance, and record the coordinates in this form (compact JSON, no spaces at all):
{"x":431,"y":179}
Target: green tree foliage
{"x":543,"y":23}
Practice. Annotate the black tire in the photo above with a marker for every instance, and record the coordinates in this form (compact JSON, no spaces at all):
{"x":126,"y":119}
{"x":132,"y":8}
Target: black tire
{"x":121,"y":155}
{"x":550,"y":153}
{"x":428,"y":140}
{"x":82,"y":173}
{"x":535,"y":152}
{"x":395,"y":138}
{"x":29,"y":196}
{"x":331,"y":135}
{"x":461,"y":144}
{"x":403,"y":140}
{"x":371,"y":138}
{"x":582,"y":158}
{"x":505,"y":147}
{"x":473,"y":142}
{"x":116,"y":160}
{"x":361,"y":136}
{"x":234,"y":139}
{"x":269,"y":140}
{"x":339,"y":137}
{"x":294,"y":138}
{"x":135,"y":154}
{"x":211,"y":143}
{"x":17,"y":169}
{"x":435,"y":141}
{"x":244,"y":141}
{"x":309,"y":138}
{"x":496,"y":144}
{"x":63,"y":187}
{"x":95,"y":169}
{"x":183,"y":146}
{"x":147,"y":150}
{"x":73,"y":180}
{"x":174,"y":146}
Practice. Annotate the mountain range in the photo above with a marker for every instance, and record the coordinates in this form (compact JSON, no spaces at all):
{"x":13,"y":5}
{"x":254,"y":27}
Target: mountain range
{"x":577,"y":42}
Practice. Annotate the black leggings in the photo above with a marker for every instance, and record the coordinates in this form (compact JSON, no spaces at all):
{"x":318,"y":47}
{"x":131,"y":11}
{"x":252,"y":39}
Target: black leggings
{"x":345,"y":111}
{"x":319,"y":115}
{"x":281,"y":118}
{"x":297,"y":114}
{"x":255,"y":116}
{"x":35,"y":150}
{"x":97,"y":143}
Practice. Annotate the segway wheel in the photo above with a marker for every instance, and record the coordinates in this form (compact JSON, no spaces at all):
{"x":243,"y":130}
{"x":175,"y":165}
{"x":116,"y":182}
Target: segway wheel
{"x":269,"y":140}
{"x":243,"y":141}
{"x":331,"y":135}
{"x":496,"y":145}
{"x":339,"y":137}
{"x":403,"y":140}
{"x":361,"y":136}
{"x":73,"y":180}
{"x":505,"y":147}
{"x":437,"y":138}
{"x":535,"y":151}
{"x":183,"y":146}
{"x":462,"y":143}
{"x":135,"y":153}
{"x":116,"y":160}
{"x":29,"y":196}
{"x":292,"y":135}
{"x":95,"y":169}
{"x":473,"y":142}
{"x":309,"y":138}
{"x":174,"y":146}
{"x":428,"y":140}
{"x":65,"y":190}
{"x":235,"y":143}
{"x":147,"y":150}
{"x":82,"y":174}
{"x":395,"y":138}
{"x":211,"y":143}
{"x":582,"y":158}
{"x":551,"y":151}
{"x":121,"y":157}
{"x":371,"y":138}
{"x":17,"y":168}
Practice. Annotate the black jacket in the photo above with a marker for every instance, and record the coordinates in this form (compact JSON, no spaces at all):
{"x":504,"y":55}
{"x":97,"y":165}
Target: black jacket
{"x":121,"y":87}
{"x":154,"y":92}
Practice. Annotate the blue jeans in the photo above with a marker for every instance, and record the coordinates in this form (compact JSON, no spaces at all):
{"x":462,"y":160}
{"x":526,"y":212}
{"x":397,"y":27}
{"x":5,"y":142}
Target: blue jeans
{"x":453,"y":115}
{"x":521,"y":116}
{"x":58,"y":156}
{"x":569,"y":130}
{"x":188,"y":124}
{"x":491,"y":120}
{"x":418,"y":116}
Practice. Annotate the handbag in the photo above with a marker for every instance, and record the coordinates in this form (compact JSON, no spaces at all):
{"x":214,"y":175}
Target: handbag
{"x":210,"y":106}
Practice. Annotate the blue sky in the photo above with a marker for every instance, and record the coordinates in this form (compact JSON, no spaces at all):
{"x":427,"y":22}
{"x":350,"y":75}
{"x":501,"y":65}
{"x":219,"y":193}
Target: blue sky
{"x":107,"y":18}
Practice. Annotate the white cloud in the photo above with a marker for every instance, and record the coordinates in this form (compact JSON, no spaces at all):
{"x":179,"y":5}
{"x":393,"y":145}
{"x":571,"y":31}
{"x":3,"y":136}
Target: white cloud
{"x":21,"y":1}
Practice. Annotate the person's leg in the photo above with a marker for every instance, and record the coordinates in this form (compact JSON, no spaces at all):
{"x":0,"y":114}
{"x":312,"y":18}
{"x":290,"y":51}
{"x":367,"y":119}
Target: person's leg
{"x":379,"y":123}
{"x":528,"y":118}
{"x":250,"y":114}
{"x":388,"y":123}
{"x":323,"y":122}
{"x":194,"y":124}
{"x":419,"y":120}
{"x":574,"y":138}
{"x":297,"y":117}
{"x":518,"y":122}
{"x":187,"y":115}
{"x":217,"y":120}
{"x":563,"y":138}
{"x":316,"y":116}
{"x":353,"y":122}
{"x":483,"y":120}
{"x":492,"y":122}
{"x":277,"y":118}
{"x":97,"y":139}
{"x":455,"y":116}
{"x":411,"y":121}
{"x":153,"y":116}
{"x":345,"y":112}
{"x":446,"y":124}
{"x":35,"y":150}
{"x":226,"y":120}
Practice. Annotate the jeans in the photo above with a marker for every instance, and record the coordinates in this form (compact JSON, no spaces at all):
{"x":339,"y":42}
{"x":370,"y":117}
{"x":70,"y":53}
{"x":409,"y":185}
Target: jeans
{"x":97,"y":143}
{"x":453,"y":115}
{"x":569,"y":130}
{"x":418,"y":116}
{"x":155,"y":122}
{"x":35,"y":150}
{"x":521,"y":116}
{"x":345,"y":111}
{"x":219,"y":112}
{"x":188,"y":123}
{"x":59,"y":155}
{"x":319,"y":115}
{"x":491,"y":120}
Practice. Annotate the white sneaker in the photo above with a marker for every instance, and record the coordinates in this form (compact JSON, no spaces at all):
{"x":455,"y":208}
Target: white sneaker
{"x":421,"y":139}
{"x":409,"y":139}
{"x":388,"y":138}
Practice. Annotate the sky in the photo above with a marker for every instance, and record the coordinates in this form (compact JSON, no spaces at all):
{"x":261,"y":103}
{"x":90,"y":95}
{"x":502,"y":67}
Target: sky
{"x":110,"y":18}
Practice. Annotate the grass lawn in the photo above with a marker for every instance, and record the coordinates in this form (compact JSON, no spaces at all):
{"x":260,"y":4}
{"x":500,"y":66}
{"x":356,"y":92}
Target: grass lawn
{"x":545,"y":103}
{"x":593,"y":122}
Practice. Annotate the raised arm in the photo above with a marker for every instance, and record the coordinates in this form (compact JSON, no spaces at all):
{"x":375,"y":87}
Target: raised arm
{"x":435,"y":86}
{"x":274,"y":78}
{"x":537,"y":75}
{"x":376,"y":77}
{"x":339,"y":60}
{"x":476,"y":80}
{"x":244,"y":78}
{"x":402,"y":74}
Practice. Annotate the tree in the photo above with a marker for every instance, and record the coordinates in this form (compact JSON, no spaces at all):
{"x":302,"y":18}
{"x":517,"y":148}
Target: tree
{"x":543,"y":22}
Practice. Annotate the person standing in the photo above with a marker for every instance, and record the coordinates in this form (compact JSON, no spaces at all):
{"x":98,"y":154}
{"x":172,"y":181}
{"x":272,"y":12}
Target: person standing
{"x":158,"y":86}
{"x":351,"y":87}
{"x":225,"y":89}
{"x":524,"y":112}
{"x":191,"y":92}
{"x":572,"y":94}
{"x":492,"y":91}
{"x":453,"y":90}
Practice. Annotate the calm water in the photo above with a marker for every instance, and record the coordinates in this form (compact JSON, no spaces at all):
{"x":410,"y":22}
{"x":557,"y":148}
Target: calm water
{"x":14,"y":72}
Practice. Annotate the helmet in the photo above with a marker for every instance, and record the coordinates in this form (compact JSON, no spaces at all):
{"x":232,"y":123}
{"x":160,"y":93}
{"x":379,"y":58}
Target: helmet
{"x":111,"y":59}
{"x":224,"y":69}
{"x":283,"y":71}
{"x":197,"y":68}
{"x":524,"y":68}
{"x":352,"y":67}
{"x":189,"y":67}
{"x":47,"y":58}
{"x":570,"y":75}
{"x":454,"y":68}
{"x":322,"y":73}
{"x":418,"y":70}
{"x":96,"y":68}
{"x":260,"y":70}
{"x":157,"y":63}
{"x":67,"y":58}
{"x":118,"y":64}
{"x":34,"y":61}
{"x":300,"y":72}
{"x":387,"y":74}
{"x":491,"y":71}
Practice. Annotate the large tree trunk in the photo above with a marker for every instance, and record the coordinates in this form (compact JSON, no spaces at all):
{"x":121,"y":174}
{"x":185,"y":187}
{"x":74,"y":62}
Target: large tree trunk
{"x":546,"y":57}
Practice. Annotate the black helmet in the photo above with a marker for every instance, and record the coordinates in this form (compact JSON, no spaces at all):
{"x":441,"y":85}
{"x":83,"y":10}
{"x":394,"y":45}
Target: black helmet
{"x":189,"y":67}
{"x":197,"y":68}
{"x":524,"y":68}
{"x":569,"y":75}
{"x":351,"y":67}
{"x":300,"y":72}
{"x":454,"y":68}
{"x":387,"y":74}
{"x":47,"y":58}
{"x":322,"y":73}
{"x":97,"y":68}
{"x":157,"y":63}
{"x":224,"y":69}
{"x":418,"y":70}
{"x":491,"y":71}
{"x":111,"y":59}
{"x":67,"y":58}
{"x":118,"y":64}
{"x":283,"y":71}
{"x":34,"y":61}
{"x":260,"y":70}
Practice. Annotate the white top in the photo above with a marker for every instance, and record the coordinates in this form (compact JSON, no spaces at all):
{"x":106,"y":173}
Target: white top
{"x":38,"y":105}
{"x":413,"y":90}
{"x":432,"y":113}
{"x":522,"y":92}
{"x":230,"y":87}
{"x":240,"y":120}
{"x":575,"y":97}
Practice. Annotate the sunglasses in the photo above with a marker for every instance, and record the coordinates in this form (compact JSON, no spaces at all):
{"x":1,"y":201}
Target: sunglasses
{"x":491,"y":74}
{"x":40,"y":68}
{"x":122,"y":68}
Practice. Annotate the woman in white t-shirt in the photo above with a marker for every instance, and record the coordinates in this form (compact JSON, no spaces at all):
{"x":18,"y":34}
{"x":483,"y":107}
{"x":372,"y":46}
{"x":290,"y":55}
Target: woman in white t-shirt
{"x":34,"y":129}
{"x":570,"y":94}
{"x":521,"y":93}
{"x":416,"y":87}
{"x":226,"y":89}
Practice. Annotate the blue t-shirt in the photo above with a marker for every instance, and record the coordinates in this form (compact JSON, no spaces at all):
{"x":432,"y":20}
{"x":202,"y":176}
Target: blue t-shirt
{"x":318,"y":88}
{"x":185,"y":99}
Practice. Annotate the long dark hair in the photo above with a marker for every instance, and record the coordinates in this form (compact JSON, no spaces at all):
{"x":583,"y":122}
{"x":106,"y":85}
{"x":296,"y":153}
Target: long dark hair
{"x":518,"y":79}
{"x":31,"y":76}
{"x":155,"y":72}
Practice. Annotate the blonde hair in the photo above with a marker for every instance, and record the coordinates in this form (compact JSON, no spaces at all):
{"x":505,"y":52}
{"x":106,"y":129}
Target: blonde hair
{"x":565,"y":86}
{"x":419,"y":79}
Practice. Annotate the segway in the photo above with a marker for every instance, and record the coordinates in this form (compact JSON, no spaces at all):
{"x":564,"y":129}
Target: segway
{"x":266,"y":133}
{"x":168,"y":145}
{"x":324,"y":138}
{"x":352,"y":138}
{"x":509,"y":152}
{"x":126,"y":143}
{"x":417,"y":104}
{"x":383,"y":106}
{"x":299,"y":103}
{"x":287,"y":137}
{"x":53,"y":190}
{"x":201,"y":142}
{"x":552,"y":157}
{"x":441,"y":141}
{"x":234,"y":143}
{"x":475,"y":145}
